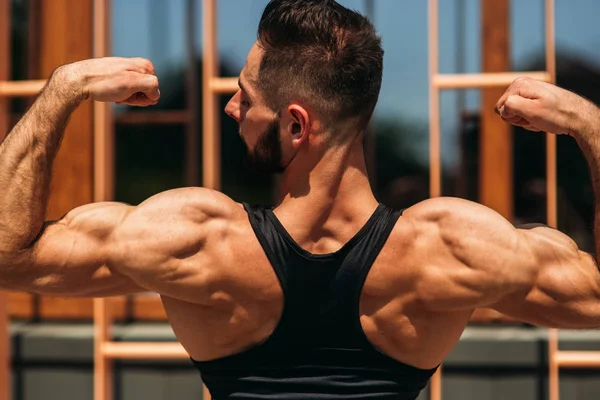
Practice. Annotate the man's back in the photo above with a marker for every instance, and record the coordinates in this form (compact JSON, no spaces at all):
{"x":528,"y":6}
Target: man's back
{"x":244,"y":300}
{"x":316,"y":331}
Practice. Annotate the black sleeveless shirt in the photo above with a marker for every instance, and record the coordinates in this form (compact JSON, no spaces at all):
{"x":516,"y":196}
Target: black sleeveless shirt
{"x":318,"y":350}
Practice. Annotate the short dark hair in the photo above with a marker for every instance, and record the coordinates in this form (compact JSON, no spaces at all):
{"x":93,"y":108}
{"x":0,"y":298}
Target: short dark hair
{"x":323,"y":54}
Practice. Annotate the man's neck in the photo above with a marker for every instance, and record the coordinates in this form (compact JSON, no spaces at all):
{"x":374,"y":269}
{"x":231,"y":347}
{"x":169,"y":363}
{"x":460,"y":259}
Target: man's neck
{"x":334,"y":182}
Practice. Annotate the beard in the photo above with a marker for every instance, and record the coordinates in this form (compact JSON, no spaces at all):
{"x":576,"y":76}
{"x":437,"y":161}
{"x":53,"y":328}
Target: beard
{"x":266,"y":156}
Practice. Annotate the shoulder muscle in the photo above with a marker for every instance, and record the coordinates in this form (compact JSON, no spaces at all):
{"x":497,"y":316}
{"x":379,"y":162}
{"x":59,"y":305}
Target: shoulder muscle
{"x":160,"y":243}
{"x":471,"y":253}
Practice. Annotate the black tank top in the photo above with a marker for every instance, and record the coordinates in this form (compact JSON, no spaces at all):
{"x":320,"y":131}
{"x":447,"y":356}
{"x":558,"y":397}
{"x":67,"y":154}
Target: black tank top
{"x":318,"y":349}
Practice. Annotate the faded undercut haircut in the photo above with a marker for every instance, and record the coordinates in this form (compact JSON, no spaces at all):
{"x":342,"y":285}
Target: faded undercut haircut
{"x":324,"y":55}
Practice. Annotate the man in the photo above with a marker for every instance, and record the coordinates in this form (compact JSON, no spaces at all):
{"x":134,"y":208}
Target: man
{"x":330,"y":294}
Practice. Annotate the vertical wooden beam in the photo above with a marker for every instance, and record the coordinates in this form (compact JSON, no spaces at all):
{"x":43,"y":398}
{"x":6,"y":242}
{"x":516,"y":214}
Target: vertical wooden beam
{"x":462,"y":177}
{"x":5,"y":57}
{"x":553,"y":367}
{"x":66,"y":36}
{"x":211,"y":141}
{"x":103,"y":191}
{"x":551,"y":192}
{"x":551,"y":178}
{"x":33,"y":41}
{"x":496,"y":166}
{"x":192,"y":140}
{"x":103,"y":371}
{"x":104,"y":140}
{"x":435,"y":168}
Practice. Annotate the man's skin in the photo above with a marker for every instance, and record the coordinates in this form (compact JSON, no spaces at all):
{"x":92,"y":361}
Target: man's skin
{"x":194,"y":246}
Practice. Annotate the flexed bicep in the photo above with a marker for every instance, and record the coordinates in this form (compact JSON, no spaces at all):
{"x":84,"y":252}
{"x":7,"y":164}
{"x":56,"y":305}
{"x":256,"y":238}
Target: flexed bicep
{"x":565,"y":291}
{"x":69,"y":256}
{"x":476,"y":258}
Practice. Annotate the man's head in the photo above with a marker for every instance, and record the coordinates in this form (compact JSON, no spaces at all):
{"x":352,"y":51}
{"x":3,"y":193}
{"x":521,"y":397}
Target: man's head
{"x":315,"y":69}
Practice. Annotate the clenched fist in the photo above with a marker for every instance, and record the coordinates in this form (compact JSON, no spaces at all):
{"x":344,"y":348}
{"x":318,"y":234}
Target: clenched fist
{"x":541,"y":106}
{"x":130,"y":81}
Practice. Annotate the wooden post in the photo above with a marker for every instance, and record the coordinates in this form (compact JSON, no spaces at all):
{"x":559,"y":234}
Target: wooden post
{"x":192,"y":135}
{"x":103,"y":188}
{"x":495,"y":174}
{"x":551,"y":194}
{"x":66,"y":36}
{"x":435,"y":167}
{"x":211,"y":140}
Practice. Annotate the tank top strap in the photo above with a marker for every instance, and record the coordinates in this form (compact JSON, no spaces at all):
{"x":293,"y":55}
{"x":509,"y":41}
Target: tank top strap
{"x":353,"y":272}
{"x":274,"y":245}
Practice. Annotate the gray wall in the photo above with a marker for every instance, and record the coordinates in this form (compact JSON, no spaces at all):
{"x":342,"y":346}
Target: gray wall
{"x":54,"y":361}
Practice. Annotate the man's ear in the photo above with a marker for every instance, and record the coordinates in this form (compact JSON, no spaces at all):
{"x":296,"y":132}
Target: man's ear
{"x":299,"y":124}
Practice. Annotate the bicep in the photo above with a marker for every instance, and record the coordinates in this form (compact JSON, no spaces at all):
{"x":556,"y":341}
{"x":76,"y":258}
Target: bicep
{"x":565,"y":290}
{"x":69,"y":256}
{"x":536,"y":274}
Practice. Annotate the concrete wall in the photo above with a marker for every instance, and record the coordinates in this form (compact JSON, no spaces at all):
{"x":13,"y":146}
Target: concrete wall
{"x":54,"y":361}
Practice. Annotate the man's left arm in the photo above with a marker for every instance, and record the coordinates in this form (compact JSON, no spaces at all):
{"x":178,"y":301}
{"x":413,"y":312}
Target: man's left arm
{"x":534,"y":273}
{"x":476,"y":258}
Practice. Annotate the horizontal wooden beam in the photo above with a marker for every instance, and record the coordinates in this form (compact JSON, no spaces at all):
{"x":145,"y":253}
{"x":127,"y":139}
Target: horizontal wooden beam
{"x":578,"y":359}
{"x":143,"y":350}
{"x":21,"y":88}
{"x":224,"y":85}
{"x":484,"y":80}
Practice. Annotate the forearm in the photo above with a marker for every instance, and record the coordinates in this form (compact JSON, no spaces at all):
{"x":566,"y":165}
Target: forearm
{"x":586,"y":132}
{"x":26,"y":159}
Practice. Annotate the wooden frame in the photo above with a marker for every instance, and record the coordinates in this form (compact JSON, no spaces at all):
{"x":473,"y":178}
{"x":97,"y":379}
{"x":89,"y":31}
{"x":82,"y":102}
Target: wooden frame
{"x":10,"y":89}
{"x":106,"y":350}
{"x":103,"y":184}
{"x":558,"y":358}
{"x":20,"y":88}
{"x":439,"y":82}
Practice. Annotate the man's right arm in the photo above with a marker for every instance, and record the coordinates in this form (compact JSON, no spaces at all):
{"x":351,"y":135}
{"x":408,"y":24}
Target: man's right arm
{"x":66,"y":257}
{"x":534,"y":273}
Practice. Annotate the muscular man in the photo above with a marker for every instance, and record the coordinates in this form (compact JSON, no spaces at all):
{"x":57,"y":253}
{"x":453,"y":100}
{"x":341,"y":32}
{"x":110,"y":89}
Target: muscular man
{"x":329,"y":294}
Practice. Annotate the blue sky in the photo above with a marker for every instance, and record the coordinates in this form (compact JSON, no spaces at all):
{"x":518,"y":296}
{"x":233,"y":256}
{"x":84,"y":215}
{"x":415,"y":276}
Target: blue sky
{"x":158,"y":33}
